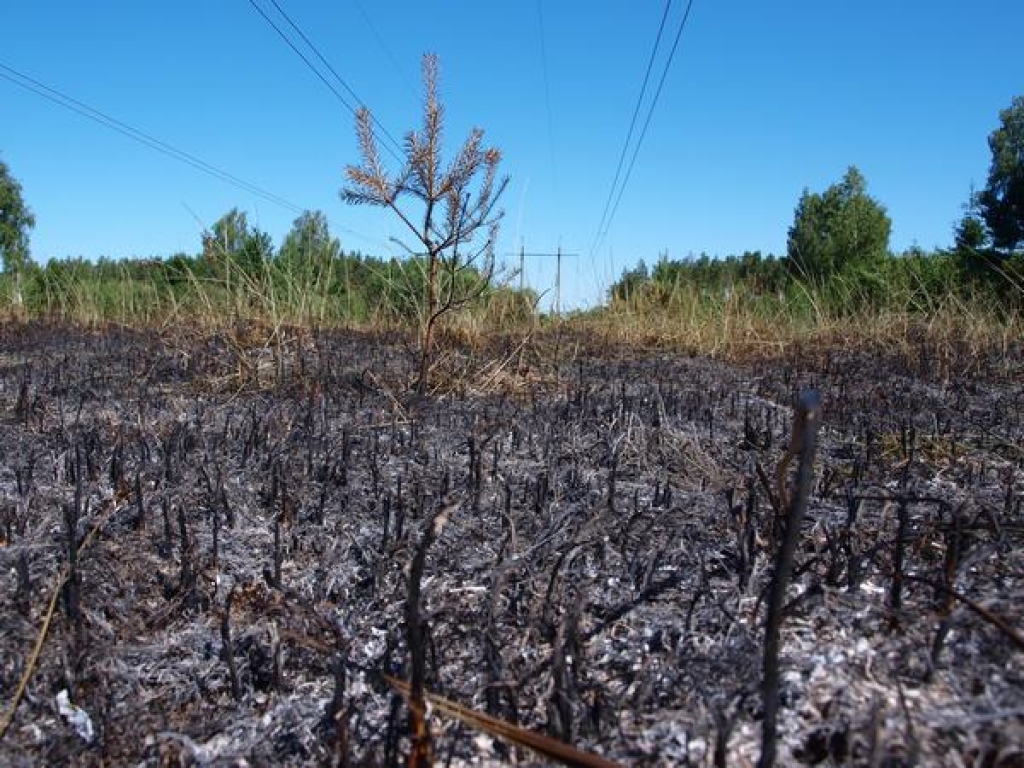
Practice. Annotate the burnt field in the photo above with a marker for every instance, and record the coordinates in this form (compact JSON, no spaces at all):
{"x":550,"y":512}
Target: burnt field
{"x":222,"y":547}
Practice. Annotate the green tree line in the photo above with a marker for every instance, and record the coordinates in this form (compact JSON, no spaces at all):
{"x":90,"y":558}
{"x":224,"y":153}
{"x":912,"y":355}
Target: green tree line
{"x":236,"y":271}
{"x":838,"y":255}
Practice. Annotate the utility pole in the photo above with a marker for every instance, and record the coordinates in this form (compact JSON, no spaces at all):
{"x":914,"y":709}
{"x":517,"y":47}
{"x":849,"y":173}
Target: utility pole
{"x":558,"y":282}
{"x":557,"y":256}
{"x":522,"y":266}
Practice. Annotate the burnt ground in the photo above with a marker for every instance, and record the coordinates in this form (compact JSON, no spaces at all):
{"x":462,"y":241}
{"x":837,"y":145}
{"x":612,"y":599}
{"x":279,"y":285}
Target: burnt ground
{"x":601,"y":576}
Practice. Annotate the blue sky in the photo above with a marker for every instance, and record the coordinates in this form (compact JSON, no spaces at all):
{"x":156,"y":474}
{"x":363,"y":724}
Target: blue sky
{"x":762,"y":100}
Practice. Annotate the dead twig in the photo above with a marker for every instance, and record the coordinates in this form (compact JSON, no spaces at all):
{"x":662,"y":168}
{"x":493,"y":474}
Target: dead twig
{"x":543,"y":745}
{"x":996,"y":621}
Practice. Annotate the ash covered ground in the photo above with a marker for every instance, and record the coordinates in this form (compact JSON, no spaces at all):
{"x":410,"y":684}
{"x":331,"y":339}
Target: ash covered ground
{"x":601,"y":577}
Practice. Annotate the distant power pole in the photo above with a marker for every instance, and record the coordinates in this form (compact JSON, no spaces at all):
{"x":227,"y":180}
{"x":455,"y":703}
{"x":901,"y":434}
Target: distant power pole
{"x":557,"y":256}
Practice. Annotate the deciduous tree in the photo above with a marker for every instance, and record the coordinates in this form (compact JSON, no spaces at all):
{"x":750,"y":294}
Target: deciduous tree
{"x":1001,"y":203}
{"x":309,"y":245}
{"x":839,"y":229}
{"x":15,"y":222}
{"x":232,"y":245}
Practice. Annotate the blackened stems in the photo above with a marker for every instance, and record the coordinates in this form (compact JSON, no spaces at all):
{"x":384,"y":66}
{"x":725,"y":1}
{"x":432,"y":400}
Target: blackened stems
{"x":415,"y":629}
{"x":227,"y":651}
{"x":23,"y":595}
{"x":805,"y":433}
{"x":187,"y":584}
{"x":896,"y":590}
{"x":140,"y":503}
{"x":277,"y":554}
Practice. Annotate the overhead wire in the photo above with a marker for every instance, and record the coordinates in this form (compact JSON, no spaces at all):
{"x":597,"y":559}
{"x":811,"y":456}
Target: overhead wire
{"x":386,"y":48}
{"x":548,"y":112}
{"x":547,"y":99}
{"x":390,"y":143}
{"x":79,"y":107}
{"x":647,"y":123}
{"x":650,"y":114}
{"x":632,"y":122}
{"x":68,"y":102}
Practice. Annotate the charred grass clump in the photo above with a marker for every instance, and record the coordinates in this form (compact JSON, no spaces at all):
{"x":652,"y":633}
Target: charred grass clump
{"x":292,"y":559}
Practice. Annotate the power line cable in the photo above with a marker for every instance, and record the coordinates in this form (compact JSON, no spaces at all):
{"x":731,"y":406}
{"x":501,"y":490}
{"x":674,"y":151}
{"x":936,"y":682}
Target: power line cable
{"x":391,"y":145}
{"x":391,"y":139}
{"x":280,"y":33}
{"x":62,"y":99}
{"x":394,"y":148}
{"x":650,"y":114}
{"x":647,"y":121}
{"x":316,"y":52}
{"x":547,"y":105}
{"x":632,"y":124}
{"x":387,"y":50}
{"x":84,"y":110}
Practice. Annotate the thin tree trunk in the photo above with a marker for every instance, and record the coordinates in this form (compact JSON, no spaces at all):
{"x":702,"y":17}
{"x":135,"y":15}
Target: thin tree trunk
{"x":427,"y":339}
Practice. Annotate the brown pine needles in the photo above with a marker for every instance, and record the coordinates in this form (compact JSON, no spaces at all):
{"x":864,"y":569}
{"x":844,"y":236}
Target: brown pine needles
{"x":454,"y":219}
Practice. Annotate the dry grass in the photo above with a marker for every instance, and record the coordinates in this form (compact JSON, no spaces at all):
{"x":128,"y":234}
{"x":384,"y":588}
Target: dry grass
{"x":954,"y":332}
{"x":503,"y":343}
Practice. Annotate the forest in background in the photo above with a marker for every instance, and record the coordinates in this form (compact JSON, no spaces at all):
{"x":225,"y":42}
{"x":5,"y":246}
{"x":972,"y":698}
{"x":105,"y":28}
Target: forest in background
{"x":838,"y":272}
